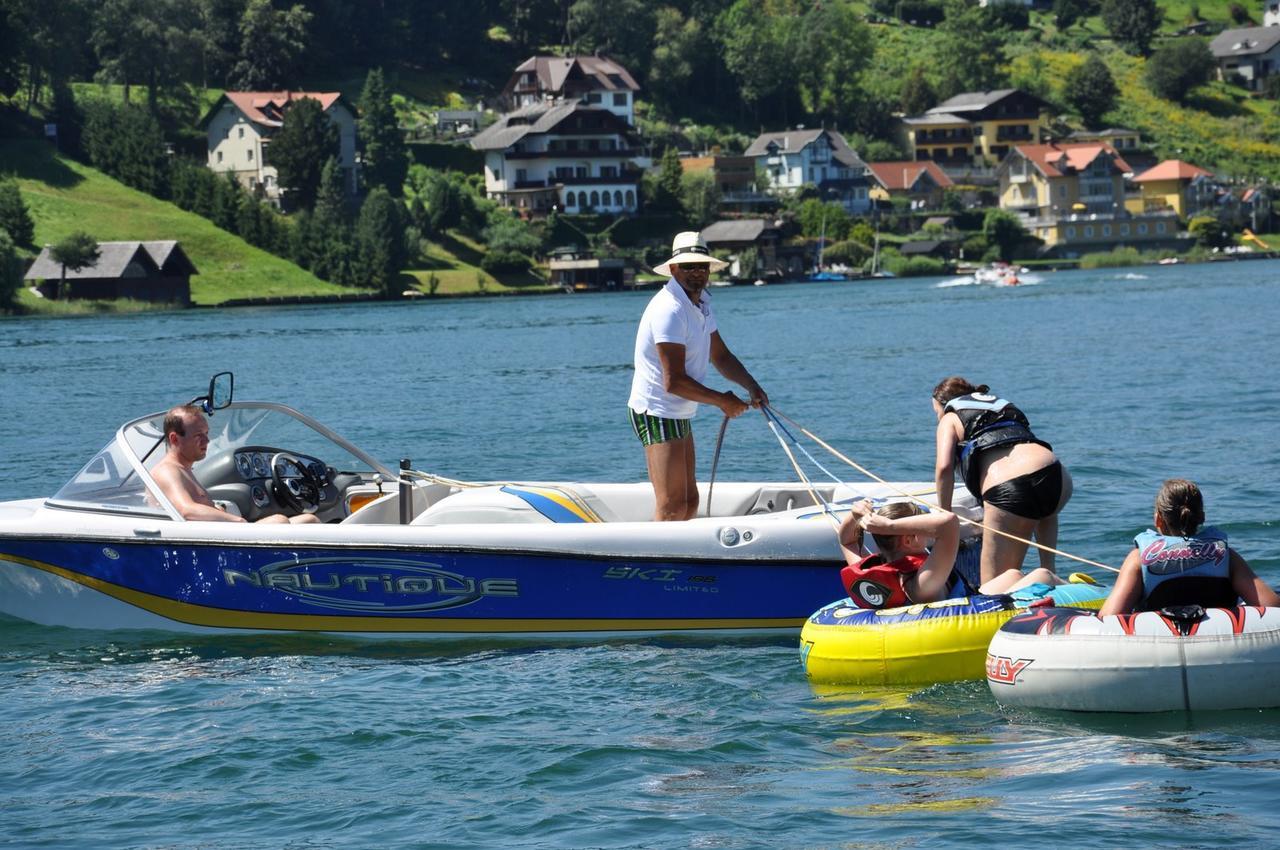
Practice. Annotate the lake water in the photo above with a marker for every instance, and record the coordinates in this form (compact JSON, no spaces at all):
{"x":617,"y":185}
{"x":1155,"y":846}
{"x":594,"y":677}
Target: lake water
{"x":151,"y":740}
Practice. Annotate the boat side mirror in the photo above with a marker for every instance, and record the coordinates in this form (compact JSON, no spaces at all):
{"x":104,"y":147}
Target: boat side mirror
{"x":221,"y":389}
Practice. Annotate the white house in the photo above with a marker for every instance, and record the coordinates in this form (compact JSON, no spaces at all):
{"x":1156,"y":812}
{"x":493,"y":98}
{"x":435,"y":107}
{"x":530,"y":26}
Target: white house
{"x":1271,"y":13}
{"x":567,"y":154}
{"x":240,"y":126}
{"x":1252,"y":53}
{"x":594,"y":80}
{"x":793,"y":158}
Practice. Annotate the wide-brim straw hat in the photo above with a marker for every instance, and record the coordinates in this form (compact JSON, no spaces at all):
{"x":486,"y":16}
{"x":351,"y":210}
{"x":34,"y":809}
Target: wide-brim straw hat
{"x":689,"y":247}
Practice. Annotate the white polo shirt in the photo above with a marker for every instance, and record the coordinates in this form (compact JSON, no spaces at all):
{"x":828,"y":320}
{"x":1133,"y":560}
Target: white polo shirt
{"x":671,"y":317}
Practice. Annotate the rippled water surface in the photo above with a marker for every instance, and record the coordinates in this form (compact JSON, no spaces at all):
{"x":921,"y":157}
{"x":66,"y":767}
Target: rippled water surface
{"x":152,"y":740}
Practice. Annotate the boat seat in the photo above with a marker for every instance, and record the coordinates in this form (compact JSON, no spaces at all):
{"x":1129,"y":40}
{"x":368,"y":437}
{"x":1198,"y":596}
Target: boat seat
{"x":518,"y":503}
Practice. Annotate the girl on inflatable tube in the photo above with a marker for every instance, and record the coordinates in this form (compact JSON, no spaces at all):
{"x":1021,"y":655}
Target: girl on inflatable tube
{"x":1180,"y":563}
{"x":907,"y":570}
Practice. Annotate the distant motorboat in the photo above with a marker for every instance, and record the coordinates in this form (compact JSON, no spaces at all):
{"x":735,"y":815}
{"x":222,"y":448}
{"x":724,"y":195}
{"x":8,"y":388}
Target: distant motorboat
{"x":999,"y":274}
{"x":760,"y":282}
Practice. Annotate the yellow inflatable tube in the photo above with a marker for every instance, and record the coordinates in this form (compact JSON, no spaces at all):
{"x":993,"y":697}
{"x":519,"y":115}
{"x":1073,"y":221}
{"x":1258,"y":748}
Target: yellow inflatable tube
{"x":920,"y":644}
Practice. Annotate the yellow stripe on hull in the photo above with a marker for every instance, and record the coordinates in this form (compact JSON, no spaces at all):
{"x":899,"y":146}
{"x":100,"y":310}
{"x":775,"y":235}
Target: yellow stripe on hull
{"x":222,"y":618}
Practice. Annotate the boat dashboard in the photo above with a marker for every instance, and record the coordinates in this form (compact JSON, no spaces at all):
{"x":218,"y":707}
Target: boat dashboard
{"x":264,"y":480}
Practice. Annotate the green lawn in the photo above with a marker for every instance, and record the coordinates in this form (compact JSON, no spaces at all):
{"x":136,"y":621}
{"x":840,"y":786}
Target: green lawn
{"x":64,"y":196}
{"x":455,"y":263}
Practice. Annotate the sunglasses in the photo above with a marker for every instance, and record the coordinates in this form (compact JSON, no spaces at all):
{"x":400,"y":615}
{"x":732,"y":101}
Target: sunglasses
{"x":696,"y":267}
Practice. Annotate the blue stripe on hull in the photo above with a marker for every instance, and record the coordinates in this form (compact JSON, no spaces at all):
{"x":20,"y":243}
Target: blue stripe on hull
{"x":331,"y":584}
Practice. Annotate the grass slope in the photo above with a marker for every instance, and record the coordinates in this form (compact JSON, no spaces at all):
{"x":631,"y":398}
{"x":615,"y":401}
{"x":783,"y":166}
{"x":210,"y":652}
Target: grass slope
{"x":65,"y":196}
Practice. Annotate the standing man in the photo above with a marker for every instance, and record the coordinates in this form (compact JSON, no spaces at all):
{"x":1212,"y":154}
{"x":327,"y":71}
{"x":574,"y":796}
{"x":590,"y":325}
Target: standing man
{"x":676,"y":340}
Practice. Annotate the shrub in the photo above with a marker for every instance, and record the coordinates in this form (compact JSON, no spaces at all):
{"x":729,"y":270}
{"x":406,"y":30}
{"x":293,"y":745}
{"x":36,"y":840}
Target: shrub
{"x":14,"y":217}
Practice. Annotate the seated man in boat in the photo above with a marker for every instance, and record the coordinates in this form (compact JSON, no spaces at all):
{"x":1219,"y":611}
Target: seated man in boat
{"x":1180,"y":563}
{"x":186,"y":438}
{"x":908,"y":569}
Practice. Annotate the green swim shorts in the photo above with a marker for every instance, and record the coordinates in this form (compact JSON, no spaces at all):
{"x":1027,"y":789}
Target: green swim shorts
{"x":654,"y":429}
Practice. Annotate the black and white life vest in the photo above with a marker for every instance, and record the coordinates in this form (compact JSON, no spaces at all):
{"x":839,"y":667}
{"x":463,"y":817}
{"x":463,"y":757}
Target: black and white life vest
{"x":988,"y":422}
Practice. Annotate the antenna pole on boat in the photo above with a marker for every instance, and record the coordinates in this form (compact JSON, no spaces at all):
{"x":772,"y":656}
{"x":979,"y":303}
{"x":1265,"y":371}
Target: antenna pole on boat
{"x":406,"y":492}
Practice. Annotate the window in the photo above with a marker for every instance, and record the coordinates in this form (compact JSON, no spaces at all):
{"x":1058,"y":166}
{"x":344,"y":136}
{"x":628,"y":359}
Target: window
{"x":593,"y":97}
{"x":1142,"y":230}
{"x":617,"y":199}
{"x":620,"y":99}
{"x":595,"y":199}
{"x":1071,"y":231}
{"x":1159,"y":227}
{"x":1106,"y":230}
{"x":1088,"y":231}
{"x":631,"y":198}
{"x":219,"y":156}
{"x":250,"y":154}
{"x":608,"y":171}
{"x":1062,"y":190}
{"x":521,"y":175}
{"x":1124,"y":230}
{"x":241,"y":132}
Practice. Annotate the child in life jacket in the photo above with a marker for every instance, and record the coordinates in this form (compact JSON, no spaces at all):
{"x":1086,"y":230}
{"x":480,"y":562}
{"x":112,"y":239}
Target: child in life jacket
{"x":908,"y":569}
{"x":1180,"y":563}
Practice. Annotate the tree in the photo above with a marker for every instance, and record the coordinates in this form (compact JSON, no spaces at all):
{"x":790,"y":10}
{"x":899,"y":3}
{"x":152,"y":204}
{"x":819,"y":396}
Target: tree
{"x":1132,"y":23}
{"x":1090,"y":90}
{"x":1067,"y":12}
{"x":127,"y":143}
{"x":1178,"y":67}
{"x":307,"y":138}
{"x":837,"y":46}
{"x":380,"y":241}
{"x":14,"y":217}
{"x":386,"y":160}
{"x":272,"y":44}
{"x":666,"y":185}
{"x":10,"y":272}
{"x":757,"y":50}
{"x":1003,"y":231}
{"x":147,"y":42}
{"x":677,"y":41}
{"x":509,"y":242}
{"x":917,"y":94}
{"x":699,"y":198}
{"x":77,"y":251}
{"x":970,"y":52}
{"x":621,"y":28}
{"x":1209,"y":232}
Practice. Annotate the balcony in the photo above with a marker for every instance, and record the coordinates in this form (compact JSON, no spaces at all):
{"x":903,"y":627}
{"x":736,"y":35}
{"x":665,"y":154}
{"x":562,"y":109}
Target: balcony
{"x":619,"y":153}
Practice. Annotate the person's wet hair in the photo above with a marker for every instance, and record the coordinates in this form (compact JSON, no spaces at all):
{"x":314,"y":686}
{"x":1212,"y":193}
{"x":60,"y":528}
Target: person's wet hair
{"x":1180,"y":507}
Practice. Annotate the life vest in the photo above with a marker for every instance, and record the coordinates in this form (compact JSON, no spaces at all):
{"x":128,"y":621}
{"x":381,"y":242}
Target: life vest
{"x":988,"y":422}
{"x":876,"y":583}
{"x":1185,"y":570}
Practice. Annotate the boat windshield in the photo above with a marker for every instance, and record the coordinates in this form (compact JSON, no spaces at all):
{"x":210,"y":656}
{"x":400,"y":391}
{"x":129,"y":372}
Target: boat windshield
{"x":110,"y":481}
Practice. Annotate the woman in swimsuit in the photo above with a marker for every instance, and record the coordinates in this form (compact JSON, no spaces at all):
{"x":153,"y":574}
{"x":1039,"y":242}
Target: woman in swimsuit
{"x":1020,"y":481}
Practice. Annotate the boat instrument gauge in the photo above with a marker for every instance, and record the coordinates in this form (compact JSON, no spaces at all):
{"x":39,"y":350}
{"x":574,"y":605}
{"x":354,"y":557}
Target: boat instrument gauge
{"x":245,"y":464}
{"x":260,"y":465}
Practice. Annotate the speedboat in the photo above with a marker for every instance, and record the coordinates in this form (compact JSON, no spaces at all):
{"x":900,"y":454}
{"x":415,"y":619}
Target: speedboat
{"x":400,"y":552}
{"x":998,"y":274}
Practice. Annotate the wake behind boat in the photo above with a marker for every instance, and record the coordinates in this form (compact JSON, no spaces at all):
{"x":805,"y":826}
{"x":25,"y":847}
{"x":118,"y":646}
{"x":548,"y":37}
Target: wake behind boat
{"x":401,"y":554}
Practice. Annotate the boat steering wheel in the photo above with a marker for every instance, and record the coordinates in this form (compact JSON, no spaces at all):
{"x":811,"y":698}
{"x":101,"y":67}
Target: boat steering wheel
{"x":296,"y":486}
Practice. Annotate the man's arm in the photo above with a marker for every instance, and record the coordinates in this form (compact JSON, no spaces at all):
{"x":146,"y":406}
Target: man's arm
{"x":676,"y":381}
{"x":177,"y":491}
{"x":727,"y":364}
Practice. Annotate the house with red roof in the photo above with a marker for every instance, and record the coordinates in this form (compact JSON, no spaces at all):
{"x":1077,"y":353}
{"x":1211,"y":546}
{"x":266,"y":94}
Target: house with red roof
{"x":1174,"y":185}
{"x":240,"y":126}
{"x":921,"y":182}
{"x":1072,"y":197}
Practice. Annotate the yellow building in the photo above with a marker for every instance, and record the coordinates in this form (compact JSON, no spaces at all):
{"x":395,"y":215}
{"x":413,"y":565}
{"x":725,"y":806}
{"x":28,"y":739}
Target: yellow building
{"x":977,"y":128}
{"x":1173,"y":185}
{"x":1071,"y":196}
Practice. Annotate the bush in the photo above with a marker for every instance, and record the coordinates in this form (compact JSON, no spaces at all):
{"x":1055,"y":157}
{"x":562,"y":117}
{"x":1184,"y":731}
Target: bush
{"x":923,"y":13}
{"x":1178,"y":67}
{"x":847,"y":252}
{"x":504,"y":261}
{"x":914,"y":266}
{"x":10,"y":272}
{"x":1118,"y":258}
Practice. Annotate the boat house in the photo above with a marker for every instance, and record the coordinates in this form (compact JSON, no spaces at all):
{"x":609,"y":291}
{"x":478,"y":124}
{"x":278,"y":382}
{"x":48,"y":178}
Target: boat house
{"x":144,"y":271}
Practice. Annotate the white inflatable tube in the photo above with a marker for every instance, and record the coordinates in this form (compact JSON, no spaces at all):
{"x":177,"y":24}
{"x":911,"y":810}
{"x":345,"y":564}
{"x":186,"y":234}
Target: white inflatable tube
{"x":1072,"y":660}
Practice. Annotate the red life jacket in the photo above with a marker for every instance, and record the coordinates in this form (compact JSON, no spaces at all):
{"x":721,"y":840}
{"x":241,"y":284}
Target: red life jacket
{"x":873,"y":583}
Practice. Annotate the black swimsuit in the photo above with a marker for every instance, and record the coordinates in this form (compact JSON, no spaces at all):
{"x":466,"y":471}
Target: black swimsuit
{"x":1032,"y":496}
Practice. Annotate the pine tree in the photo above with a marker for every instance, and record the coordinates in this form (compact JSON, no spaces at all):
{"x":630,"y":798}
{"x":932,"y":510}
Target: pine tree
{"x":10,"y":272}
{"x":306,"y":140}
{"x":380,"y":241}
{"x":386,"y":160}
{"x":14,"y":216}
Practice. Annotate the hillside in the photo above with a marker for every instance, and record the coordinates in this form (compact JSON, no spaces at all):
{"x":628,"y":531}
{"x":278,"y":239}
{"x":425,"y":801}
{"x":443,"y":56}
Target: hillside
{"x":65,"y":196}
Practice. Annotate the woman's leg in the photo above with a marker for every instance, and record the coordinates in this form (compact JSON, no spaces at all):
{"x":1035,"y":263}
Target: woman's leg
{"x":999,"y":553}
{"x":671,"y":471}
{"x":1047,"y":528}
{"x":1015,"y":580}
